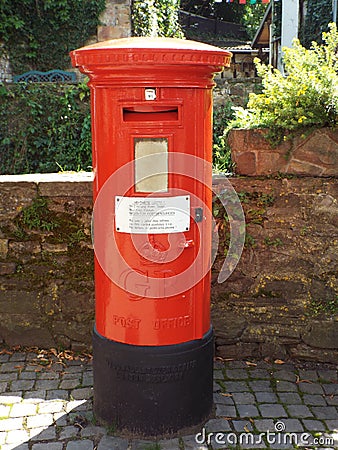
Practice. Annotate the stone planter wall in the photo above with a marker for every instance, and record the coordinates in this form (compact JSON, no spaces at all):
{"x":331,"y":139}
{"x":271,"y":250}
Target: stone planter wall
{"x":281,"y":300}
{"x":314,"y":154}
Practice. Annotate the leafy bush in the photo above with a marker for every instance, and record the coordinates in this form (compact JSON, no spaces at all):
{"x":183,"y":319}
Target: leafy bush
{"x":221,"y":151}
{"x":306,"y":97}
{"x":44,"y":127}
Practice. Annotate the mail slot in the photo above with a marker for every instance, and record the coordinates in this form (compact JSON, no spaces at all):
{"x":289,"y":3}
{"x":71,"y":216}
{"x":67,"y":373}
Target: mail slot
{"x":144,"y":113}
{"x":152,"y":129}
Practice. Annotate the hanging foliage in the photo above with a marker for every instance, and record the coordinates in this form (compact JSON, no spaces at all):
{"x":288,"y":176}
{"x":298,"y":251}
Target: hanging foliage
{"x":38,"y":34}
{"x":156,"y":18}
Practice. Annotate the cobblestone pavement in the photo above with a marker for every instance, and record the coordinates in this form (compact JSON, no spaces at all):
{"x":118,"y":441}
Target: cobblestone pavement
{"x":46,"y":404}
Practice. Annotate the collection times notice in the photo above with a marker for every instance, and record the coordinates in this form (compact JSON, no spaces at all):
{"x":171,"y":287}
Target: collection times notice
{"x":153,"y":215}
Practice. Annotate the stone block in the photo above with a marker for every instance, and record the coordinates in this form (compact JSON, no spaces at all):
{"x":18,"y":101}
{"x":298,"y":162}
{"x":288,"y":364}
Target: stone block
{"x":260,"y":385}
{"x":11,"y":424}
{"x":66,"y":185}
{"x":267,"y":162}
{"x":18,"y":249}
{"x":7,"y":268}
{"x":292,"y":425}
{"x":316,"y":155}
{"x":322,"y":334}
{"x":3,"y":248}
{"x":19,"y":302}
{"x":72,"y":205}
{"x":243,"y":398}
{"x":113,"y":443}
{"x":274,"y":411}
{"x":228,"y":326}
{"x":54,"y":248}
{"x":225,"y":411}
{"x":214,"y":425}
{"x":266,"y":397}
{"x":246,"y":143}
{"x":264,"y":425}
{"x":305,"y":352}
{"x":272,"y":350}
{"x":246,"y":163}
{"x":247,"y":411}
{"x":325,"y":412}
{"x":313,"y":425}
{"x":23,"y":330}
{"x":105,"y":33}
{"x":259,"y":332}
{"x":299,"y":411}
{"x":15,"y":195}
{"x":241,"y":350}
{"x":314,"y":400}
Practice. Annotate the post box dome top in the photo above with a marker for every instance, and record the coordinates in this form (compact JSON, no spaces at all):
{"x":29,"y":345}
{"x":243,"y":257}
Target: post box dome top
{"x":156,"y":50}
{"x":152,"y":43}
{"x":144,"y":61}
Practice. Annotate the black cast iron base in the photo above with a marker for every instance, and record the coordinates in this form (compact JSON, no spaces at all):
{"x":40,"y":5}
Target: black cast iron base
{"x":152,"y":391}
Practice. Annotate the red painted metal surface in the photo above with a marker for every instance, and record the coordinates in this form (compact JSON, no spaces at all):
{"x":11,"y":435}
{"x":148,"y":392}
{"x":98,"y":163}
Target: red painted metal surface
{"x":181,"y":74}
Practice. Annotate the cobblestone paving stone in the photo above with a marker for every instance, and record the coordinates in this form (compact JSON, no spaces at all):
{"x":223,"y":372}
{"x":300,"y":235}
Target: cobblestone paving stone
{"x":48,"y":405}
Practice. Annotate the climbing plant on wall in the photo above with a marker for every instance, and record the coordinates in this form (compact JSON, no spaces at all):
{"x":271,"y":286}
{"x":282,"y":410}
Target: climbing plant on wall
{"x":38,"y":34}
{"x":318,"y":16}
{"x":44,"y":127}
{"x":156,"y":18}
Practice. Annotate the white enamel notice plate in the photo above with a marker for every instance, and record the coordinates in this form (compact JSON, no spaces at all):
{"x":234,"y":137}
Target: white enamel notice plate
{"x":152,"y":215}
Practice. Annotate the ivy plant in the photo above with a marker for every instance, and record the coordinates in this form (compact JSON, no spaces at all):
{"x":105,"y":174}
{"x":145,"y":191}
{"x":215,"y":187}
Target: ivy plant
{"x":38,"y":34}
{"x":44,"y":128}
{"x":318,"y":15}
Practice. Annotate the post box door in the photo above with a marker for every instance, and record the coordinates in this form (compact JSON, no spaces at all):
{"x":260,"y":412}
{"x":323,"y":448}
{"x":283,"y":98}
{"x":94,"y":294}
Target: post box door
{"x":160,"y":289}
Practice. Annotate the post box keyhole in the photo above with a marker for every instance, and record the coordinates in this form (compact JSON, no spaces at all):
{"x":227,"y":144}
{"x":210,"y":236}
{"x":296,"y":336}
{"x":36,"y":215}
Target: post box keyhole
{"x":198,"y":215}
{"x":150,"y":94}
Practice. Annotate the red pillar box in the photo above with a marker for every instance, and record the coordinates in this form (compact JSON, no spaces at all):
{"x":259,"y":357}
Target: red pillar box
{"x":151,"y":103}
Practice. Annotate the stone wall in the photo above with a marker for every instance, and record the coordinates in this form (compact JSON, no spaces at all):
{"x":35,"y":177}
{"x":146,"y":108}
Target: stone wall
{"x":46,"y":260}
{"x":235,"y":90}
{"x":281,"y":300}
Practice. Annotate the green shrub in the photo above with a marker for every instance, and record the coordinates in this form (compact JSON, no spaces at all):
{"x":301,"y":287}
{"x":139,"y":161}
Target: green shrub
{"x":44,"y":128}
{"x":306,"y":97}
{"x":221,"y":151}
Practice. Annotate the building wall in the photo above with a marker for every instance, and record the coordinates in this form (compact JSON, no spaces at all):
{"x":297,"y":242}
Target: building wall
{"x":115,"y":21}
{"x":5,"y":69}
{"x":235,"y":90}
